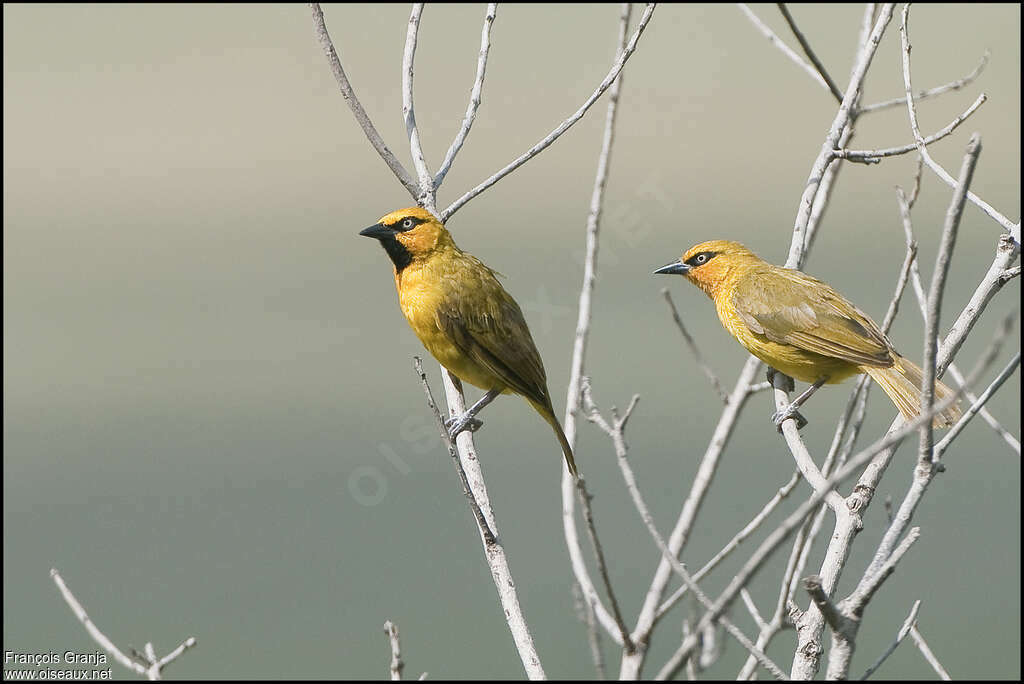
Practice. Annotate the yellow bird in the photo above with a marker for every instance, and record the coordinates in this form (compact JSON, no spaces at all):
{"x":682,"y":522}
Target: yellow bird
{"x":801,"y":327}
{"x":464,"y":317}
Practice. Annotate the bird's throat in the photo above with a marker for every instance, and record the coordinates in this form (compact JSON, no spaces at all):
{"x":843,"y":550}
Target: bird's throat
{"x":400,"y":256}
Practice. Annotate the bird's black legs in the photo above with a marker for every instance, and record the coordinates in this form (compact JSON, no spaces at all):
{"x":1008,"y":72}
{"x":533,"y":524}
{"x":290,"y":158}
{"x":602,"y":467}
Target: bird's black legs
{"x":468,"y":421}
{"x":792,"y":411}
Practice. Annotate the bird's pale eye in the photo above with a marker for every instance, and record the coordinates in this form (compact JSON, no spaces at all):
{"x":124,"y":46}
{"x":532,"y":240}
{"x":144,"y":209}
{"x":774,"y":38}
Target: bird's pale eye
{"x":701,"y":258}
{"x":407,"y":223}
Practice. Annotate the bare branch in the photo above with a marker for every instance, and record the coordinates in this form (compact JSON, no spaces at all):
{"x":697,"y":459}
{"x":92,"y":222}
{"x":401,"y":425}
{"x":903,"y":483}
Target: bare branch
{"x":680,"y":533}
{"x":786,"y":50}
{"x":472,"y":479}
{"x":1013,"y":228}
{"x":839,"y":124}
{"x":585,"y":611}
{"x":874,"y":156}
{"x":602,"y":566}
{"x":908,"y":624}
{"x":426,"y":194}
{"x":931,"y":92}
{"x":838,"y":622}
{"x":856,"y":602}
{"x":474,"y":96}
{"x":617,"y":435}
{"x":481,"y":521}
{"x":922,"y":299}
{"x":573,"y":394}
{"x":151,"y":668}
{"x":357,"y":108}
{"x":938,"y":287}
{"x":783,"y":492}
{"x":716,"y":384}
{"x":922,"y":645}
{"x":397,"y":665}
{"x":564,"y":126}
{"x":941,"y":447}
{"x":833,"y":88}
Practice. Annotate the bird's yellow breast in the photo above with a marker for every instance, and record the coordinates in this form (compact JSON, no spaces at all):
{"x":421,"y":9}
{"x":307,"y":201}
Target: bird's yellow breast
{"x":424,"y":288}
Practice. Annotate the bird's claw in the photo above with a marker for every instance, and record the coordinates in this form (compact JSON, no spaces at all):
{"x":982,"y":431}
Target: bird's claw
{"x":787,"y":382}
{"x":779,"y":417}
{"x":463,"y":422}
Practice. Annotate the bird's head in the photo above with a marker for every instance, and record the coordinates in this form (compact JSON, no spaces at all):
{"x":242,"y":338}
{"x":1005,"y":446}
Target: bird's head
{"x":408,"y":234}
{"x":707,"y":264}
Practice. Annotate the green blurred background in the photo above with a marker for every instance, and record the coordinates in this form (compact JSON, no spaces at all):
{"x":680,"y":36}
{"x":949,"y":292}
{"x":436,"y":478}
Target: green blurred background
{"x":211,"y":422}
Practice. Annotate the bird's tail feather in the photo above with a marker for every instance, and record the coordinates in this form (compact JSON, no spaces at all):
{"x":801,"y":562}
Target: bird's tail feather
{"x":549,"y":415}
{"x":902,"y":382}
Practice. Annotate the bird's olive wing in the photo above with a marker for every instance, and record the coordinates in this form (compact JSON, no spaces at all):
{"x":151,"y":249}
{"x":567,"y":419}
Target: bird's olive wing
{"x":791,"y":307}
{"x":487,"y":325}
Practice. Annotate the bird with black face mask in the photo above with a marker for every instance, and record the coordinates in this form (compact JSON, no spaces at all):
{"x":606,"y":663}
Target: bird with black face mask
{"x":464,"y":317}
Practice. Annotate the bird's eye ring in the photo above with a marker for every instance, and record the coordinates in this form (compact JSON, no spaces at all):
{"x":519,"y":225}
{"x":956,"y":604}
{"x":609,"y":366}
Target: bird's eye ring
{"x":407,"y":223}
{"x":701,"y":258}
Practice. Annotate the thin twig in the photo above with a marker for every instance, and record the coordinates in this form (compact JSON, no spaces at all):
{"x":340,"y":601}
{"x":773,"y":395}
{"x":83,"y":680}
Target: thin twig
{"x":585,"y":612}
{"x":427,"y":190}
{"x":783,"y":492}
{"x":938,"y":288}
{"x":475,"y":96}
{"x":922,"y":645}
{"x":357,"y":108}
{"x":602,"y":566}
{"x":1013,"y":228}
{"x":481,"y":521}
{"x":684,"y":524}
{"x":616,"y":431}
{"x":931,"y":92}
{"x":941,"y":447}
{"x":152,"y":668}
{"x":579,"y":351}
{"x":908,"y":624}
{"x":833,"y":88}
{"x":839,"y":124}
{"x":564,"y":126}
{"x":716,"y":384}
{"x":873,"y":156}
{"x":781,"y":45}
{"x":472,"y":478}
{"x":397,"y":664}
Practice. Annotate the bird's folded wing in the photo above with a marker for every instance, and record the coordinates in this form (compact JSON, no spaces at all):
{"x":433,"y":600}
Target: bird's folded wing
{"x":791,"y":307}
{"x":491,"y":330}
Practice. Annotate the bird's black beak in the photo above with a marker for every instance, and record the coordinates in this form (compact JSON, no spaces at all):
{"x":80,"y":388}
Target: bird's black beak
{"x":676,"y":268}
{"x":378,"y":231}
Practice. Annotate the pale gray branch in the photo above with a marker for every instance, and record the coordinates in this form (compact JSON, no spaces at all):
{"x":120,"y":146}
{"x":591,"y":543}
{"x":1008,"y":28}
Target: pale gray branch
{"x":873,"y":156}
{"x":426,"y":181}
{"x":833,"y":88}
{"x":1013,"y":228}
{"x":397,"y":664}
{"x":564,"y":126}
{"x":908,"y":624}
{"x":778,"y":42}
{"x":357,"y":108}
{"x":475,"y":96}
{"x":922,"y":645}
{"x":152,"y":668}
{"x":938,"y":288}
{"x":716,"y":384}
{"x":931,"y":92}
{"x":839,"y":124}
{"x":577,"y":364}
